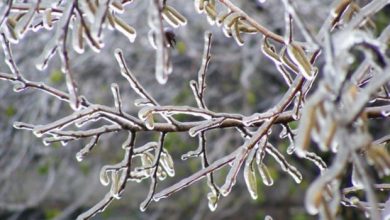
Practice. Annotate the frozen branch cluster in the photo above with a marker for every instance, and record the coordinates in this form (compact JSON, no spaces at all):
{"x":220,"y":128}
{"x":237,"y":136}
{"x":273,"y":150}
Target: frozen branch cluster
{"x":333,"y":103}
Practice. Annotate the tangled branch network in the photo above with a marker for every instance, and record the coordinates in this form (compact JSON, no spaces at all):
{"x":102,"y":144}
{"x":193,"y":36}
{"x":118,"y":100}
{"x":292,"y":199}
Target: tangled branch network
{"x":332,"y":102}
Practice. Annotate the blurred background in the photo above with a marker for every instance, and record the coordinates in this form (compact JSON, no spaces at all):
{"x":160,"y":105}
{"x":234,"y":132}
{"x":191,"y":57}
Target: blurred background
{"x":47,"y":182}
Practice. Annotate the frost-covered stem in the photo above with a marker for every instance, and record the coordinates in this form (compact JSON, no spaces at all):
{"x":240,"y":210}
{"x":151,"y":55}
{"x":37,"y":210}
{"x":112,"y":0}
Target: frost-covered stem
{"x":109,"y":197}
{"x":253,"y":22}
{"x":199,"y":89}
{"x":290,"y":169}
{"x":153,"y":178}
{"x":129,"y":144}
{"x":103,"y":18}
{"x":302,"y":27}
{"x":273,"y":112}
{"x":127,"y":73}
{"x":196,"y":176}
{"x":365,"y":12}
{"x":314,"y":194}
{"x":174,"y":110}
{"x":384,"y":139}
{"x":203,"y":68}
{"x":162,"y":53}
{"x":99,"y":207}
{"x":136,"y":86}
{"x":233,"y":172}
{"x":289,"y":28}
{"x":330,"y":21}
{"x":205,"y":163}
{"x":87,"y":29}
{"x":23,"y":8}
{"x":88,"y":147}
{"x":6,"y":12}
{"x":146,"y":147}
{"x":359,"y":76}
{"x":117,"y":97}
{"x":119,"y":122}
{"x":88,"y":133}
{"x":240,"y":151}
{"x":284,"y":117}
{"x":9,"y":60}
{"x":375,"y":83}
{"x":70,"y":83}
{"x":368,"y":186}
{"x":354,"y":189}
{"x":43,"y":87}
{"x":361,"y":205}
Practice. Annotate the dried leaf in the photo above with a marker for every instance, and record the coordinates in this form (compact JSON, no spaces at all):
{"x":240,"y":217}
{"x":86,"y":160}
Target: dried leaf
{"x":298,"y":57}
{"x":264,"y":174}
{"x":125,"y":29}
{"x":250,"y":180}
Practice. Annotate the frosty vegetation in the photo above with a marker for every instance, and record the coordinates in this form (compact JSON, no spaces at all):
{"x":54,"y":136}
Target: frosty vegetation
{"x":336,"y":75}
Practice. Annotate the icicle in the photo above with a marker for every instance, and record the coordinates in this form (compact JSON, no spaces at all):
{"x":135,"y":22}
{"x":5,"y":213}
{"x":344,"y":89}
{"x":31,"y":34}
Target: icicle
{"x":161,"y":174}
{"x":264,"y":174}
{"x":298,"y":57}
{"x":199,"y":5}
{"x":93,"y":43}
{"x":117,"y":6}
{"x":117,"y":97}
{"x":294,"y":173}
{"x":167,"y":163}
{"x":232,"y":175}
{"x":173,"y":17}
{"x":10,"y":33}
{"x":142,"y":102}
{"x":211,"y":13}
{"x":77,"y":36}
{"x":386,"y":210}
{"x":149,"y":122}
{"x":23,"y":24}
{"x":64,"y":142}
{"x":144,"y":113}
{"x":317,"y":160}
{"x":19,"y":87}
{"x":85,"y":150}
{"x":236,"y":33}
{"x":213,"y":201}
{"x":161,"y":75}
{"x":356,"y":179}
{"x":47,"y":54}
{"x":204,"y":126}
{"x":22,"y":125}
{"x":104,"y":179}
{"x":47,"y":19}
{"x":115,"y":185}
{"x":98,"y":18}
{"x":283,"y":134}
{"x":147,"y":161}
{"x":250,"y":180}
{"x":291,"y":149}
{"x":125,"y":29}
